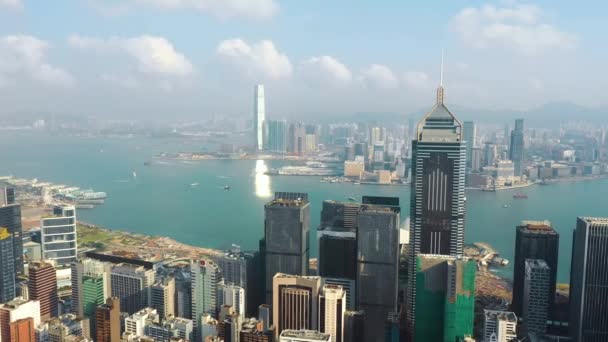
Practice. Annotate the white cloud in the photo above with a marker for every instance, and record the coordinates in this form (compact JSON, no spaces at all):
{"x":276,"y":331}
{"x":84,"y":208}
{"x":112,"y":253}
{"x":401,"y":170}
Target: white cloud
{"x":11,"y":4}
{"x":256,"y":9}
{"x":153,"y":55}
{"x":261,"y":59}
{"x":127,"y":81}
{"x":380,"y":76}
{"x":536,"y":84}
{"x":417,"y":80}
{"x":326,"y":69}
{"x":517,"y":26}
{"x":23,"y":55}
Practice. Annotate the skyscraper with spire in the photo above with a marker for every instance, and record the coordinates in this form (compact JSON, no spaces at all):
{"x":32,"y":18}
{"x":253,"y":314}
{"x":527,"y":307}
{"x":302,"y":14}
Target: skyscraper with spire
{"x":437,"y":207}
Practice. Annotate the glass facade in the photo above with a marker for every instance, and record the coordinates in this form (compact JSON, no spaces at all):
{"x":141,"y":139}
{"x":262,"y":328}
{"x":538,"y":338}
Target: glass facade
{"x":59,"y":235}
{"x":7,"y":267}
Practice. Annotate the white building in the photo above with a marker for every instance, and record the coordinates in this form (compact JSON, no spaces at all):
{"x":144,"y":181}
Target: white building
{"x":58,"y":235}
{"x":17,"y":309}
{"x":499,"y":326}
{"x":259,"y":117}
{"x":136,"y":323}
{"x":232,"y":295}
{"x":332,"y":305}
{"x":304,"y":336}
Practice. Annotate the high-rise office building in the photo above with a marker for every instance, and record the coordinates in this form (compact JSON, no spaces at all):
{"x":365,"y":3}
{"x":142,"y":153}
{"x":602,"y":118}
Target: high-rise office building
{"x":7,"y":267}
{"x":469,"y":136}
{"x":233,"y":295}
{"x":589,"y":280}
{"x":332,"y":305}
{"x":392,"y":330}
{"x":22,"y":330}
{"x":377,"y":265}
{"x":437,"y":208}
{"x":296,"y":138}
{"x":499,"y":326}
{"x":205,"y":277}
{"x":277,"y":136}
{"x":534,"y":240}
{"x":354,"y":326}
{"x":536,"y":304}
{"x":264,"y":315}
{"x":10,"y":218}
{"x":162,"y":297}
{"x":183,"y":294}
{"x":295,"y":302}
{"x":516,"y":147}
{"x":259,"y":117}
{"x":42,"y":286}
{"x":286,"y":241}
{"x":107,"y":321}
{"x":131,"y":284}
{"x":90,"y":286}
{"x":12,"y":315}
{"x":241,"y":269}
{"x":445,"y":298}
{"x":58,"y":235}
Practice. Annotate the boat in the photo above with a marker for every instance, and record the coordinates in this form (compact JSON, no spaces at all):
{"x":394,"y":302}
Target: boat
{"x":505,"y":206}
{"x":194,"y":184}
{"x":352,"y":199}
{"x":147,"y":163}
{"x":134,"y":174}
{"x":226,"y":187}
{"x":520,"y":196}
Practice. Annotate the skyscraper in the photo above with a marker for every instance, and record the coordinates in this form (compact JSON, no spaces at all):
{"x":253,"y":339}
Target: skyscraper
{"x":445,"y":298}
{"x":233,"y":295}
{"x":499,"y":326}
{"x":588,"y":280}
{"x":131,"y":284}
{"x":534,"y":240}
{"x":7,"y":267}
{"x":470,"y":134}
{"x":162,"y":297}
{"x":42,"y":286}
{"x":22,"y":330}
{"x":377,"y":265}
{"x":259,"y":117}
{"x":516,"y":147}
{"x":536,"y":303}
{"x":277,"y":136}
{"x":58,"y":235}
{"x":241,"y":269}
{"x":90,"y":286}
{"x":437,"y":209}
{"x":354,"y":326}
{"x":107,"y":321}
{"x":295,"y":302}
{"x":286,"y":237}
{"x":332,"y":305}
{"x":10,"y":218}
{"x":205,"y":276}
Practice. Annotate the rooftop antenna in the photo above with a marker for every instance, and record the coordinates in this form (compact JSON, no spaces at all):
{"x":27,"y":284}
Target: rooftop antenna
{"x":440,"y":88}
{"x":441,"y":79}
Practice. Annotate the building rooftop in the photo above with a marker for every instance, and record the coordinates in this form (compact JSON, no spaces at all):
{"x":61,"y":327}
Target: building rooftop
{"x":285,"y":275}
{"x":307,"y":334}
{"x":601,"y":220}
{"x":500,"y":315}
{"x":540,"y":227}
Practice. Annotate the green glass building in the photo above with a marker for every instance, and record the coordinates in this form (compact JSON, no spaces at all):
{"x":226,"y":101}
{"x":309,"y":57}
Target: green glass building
{"x":445,"y":298}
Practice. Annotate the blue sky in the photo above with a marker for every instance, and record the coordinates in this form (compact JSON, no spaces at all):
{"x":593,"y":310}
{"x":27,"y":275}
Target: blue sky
{"x":194,"y":58}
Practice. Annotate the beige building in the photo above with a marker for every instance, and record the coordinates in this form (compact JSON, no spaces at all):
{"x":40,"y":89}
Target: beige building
{"x":295,"y":302}
{"x":384,"y":176}
{"x":332,"y":304}
{"x":354,"y":168}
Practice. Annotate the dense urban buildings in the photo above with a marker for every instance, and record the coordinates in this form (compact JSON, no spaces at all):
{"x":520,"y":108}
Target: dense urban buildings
{"x":286,"y":243}
{"x":295,"y":302}
{"x":242,"y":269}
{"x":15,"y":317}
{"x":205,"y":277}
{"x":131,"y":284}
{"x":58,"y":235}
{"x":10,"y":218}
{"x":534,"y":240}
{"x":42,"y":286}
{"x":259,"y":118}
{"x":437,"y":205}
{"x":107,"y":321}
{"x":469,"y":136}
{"x":7,"y":267}
{"x":588,"y":280}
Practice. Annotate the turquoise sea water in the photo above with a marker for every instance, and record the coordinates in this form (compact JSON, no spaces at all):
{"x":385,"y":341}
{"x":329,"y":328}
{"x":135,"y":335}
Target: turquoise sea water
{"x":162,"y":201}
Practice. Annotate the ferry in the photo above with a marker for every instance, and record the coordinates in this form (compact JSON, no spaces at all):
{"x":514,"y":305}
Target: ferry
{"x":520,"y":196}
{"x":194,"y":184}
{"x":505,"y":206}
{"x":226,"y":187}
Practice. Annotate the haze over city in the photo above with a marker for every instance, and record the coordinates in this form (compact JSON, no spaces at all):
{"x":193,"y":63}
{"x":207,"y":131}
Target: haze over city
{"x":175,"y":59}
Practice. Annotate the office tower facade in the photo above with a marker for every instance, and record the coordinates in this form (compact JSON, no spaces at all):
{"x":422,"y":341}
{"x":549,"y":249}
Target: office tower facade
{"x":264,"y":315}
{"x":42,"y":286}
{"x":470,"y":134}
{"x":241,"y":269}
{"x":516,"y":147}
{"x":259,"y":117}
{"x":437,"y":208}
{"x":107,"y":321}
{"x":499,"y":326}
{"x":162,"y":297}
{"x":277,"y":136}
{"x":392,"y":329}
{"x":377,"y":265}
{"x":332,"y":305}
{"x":534,"y":240}
{"x":536,"y":303}
{"x":183,"y":293}
{"x":445,"y":297}
{"x":90,"y":286}
{"x":229,"y":294}
{"x":7,"y":267}
{"x":304,"y":336}
{"x":588,"y":281}
{"x":205,"y":277}
{"x":15,"y":311}
{"x":22,"y":330}
{"x":286,"y":237}
{"x":295,"y":302}
{"x":131,"y":284}
{"x":296,"y":138}
{"x":58,"y":235}
{"x":10,"y":218}
{"x":354,"y":326}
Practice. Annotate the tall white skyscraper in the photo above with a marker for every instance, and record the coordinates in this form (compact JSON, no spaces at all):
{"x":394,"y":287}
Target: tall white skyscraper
{"x":332,"y":305}
{"x":259,"y":117}
{"x":59,"y":235}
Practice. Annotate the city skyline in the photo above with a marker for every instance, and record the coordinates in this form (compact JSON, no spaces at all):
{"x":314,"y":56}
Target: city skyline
{"x":206,"y":63}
